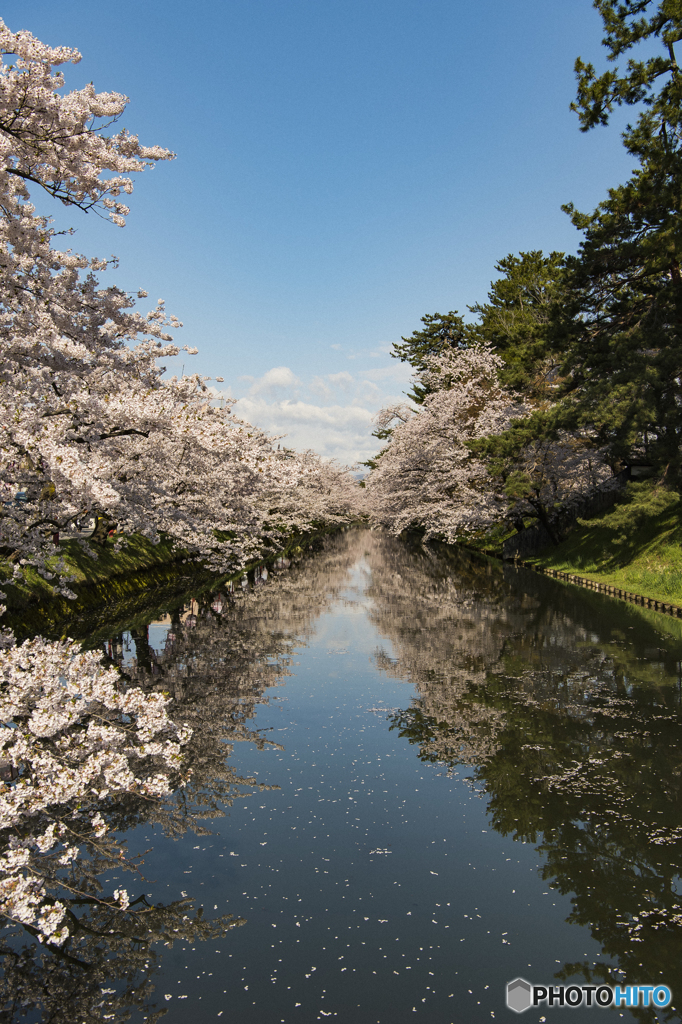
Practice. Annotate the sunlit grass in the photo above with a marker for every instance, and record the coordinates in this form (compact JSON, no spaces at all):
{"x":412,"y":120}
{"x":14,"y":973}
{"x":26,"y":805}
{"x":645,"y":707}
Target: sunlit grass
{"x":636,"y":546}
{"x":135,"y":556}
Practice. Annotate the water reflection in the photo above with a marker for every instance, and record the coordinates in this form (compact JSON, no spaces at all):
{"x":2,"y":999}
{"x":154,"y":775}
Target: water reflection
{"x":562,"y":707}
{"x":568,"y":711}
{"x":217,"y":653}
{"x":106,"y":969}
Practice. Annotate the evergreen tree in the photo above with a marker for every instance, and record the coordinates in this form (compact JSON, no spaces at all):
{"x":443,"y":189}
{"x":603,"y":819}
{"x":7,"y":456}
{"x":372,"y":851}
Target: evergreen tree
{"x":441,"y":333}
{"x":620,"y":332}
{"x":516,"y":318}
{"x":514,"y":322}
{"x":614,"y":340}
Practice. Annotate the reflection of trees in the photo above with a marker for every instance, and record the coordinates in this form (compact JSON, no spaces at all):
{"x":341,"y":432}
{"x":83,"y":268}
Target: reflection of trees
{"x":223,"y":652}
{"x":447,"y":626}
{"x":597,"y":778}
{"x":111,"y":938}
{"x":574,"y":736}
{"x":106,"y":970}
{"x":227,"y":649}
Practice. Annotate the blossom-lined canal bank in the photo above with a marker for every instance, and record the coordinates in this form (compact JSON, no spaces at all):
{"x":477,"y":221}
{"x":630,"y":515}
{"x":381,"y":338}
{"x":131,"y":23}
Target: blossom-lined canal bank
{"x":422,"y":775}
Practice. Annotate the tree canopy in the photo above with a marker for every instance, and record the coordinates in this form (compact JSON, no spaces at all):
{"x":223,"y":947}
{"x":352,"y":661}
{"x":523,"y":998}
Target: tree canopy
{"x":618,"y":330}
{"x":590,"y":345}
{"x":90,"y":425}
{"x":516,"y":318}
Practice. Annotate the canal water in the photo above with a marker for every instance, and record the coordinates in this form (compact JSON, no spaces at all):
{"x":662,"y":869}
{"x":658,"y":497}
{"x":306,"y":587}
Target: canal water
{"x":417,"y":776}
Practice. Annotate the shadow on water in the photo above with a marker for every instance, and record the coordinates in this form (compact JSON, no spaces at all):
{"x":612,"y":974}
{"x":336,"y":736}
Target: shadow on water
{"x":564,"y":707}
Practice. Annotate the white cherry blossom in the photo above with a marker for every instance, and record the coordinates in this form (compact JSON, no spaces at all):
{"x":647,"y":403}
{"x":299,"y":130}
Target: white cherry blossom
{"x":75,"y":735}
{"x":90,"y":426}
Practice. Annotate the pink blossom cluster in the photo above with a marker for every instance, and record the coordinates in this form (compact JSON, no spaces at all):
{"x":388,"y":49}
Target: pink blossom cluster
{"x":429,"y":479}
{"x":56,"y":141}
{"x":72,"y":737}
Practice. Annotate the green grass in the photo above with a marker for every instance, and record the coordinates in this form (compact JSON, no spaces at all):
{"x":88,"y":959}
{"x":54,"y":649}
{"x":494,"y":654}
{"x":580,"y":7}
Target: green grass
{"x":139,"y":575}
{"x":139,"y":555}
{"x":636,"y":546}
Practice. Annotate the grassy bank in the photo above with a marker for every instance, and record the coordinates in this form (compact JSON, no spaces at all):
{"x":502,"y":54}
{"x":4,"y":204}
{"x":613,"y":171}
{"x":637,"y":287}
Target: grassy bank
{"x":636,"y":546}
{"x":139,"y":556}
{"x":141,"y":573}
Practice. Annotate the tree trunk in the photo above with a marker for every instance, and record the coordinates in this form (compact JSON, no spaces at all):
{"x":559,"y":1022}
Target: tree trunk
{"x":544,"y":519}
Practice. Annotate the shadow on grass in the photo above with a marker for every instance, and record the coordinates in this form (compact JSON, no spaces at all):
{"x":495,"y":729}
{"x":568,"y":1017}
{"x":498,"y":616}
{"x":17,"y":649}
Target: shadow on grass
{"x":637,"y":545}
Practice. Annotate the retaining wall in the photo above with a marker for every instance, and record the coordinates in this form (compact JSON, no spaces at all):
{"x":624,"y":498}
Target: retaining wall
{"x":605,"y":588}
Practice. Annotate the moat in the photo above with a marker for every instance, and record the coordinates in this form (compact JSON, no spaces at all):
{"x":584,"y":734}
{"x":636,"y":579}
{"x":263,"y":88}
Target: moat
{"x":417,"y":775}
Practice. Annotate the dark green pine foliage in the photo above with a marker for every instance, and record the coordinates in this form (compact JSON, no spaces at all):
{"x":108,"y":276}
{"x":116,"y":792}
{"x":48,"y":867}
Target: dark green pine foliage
{"x":516,"y":319}
{"x":516,"y":322}
{"x":620,"y":332}
{"x":441,"y":331}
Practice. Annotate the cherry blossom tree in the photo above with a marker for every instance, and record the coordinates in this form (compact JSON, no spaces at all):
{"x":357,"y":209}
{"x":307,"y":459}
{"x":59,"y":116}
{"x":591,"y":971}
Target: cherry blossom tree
{"x":90,"y":426}
{"x":437,"y":476}
{"x":428,"y":479}
{"x":86,"y":753}
{"x":72,"y":736}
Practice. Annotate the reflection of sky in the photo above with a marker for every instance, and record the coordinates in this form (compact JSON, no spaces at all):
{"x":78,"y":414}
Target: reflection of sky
{"x":158,"y":631}
{"x":429,"y":929}
{"x":128,"y":650}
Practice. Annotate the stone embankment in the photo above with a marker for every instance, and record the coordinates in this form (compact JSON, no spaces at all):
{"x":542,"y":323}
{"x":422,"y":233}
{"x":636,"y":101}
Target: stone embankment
{"x":604,"y":588}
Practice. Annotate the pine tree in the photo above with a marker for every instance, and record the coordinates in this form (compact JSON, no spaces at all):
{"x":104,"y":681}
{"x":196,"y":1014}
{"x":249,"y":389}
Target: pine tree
{"x":614,"y":339}
{"x":516,"y":318}
{"x":620,"y":332}
{"x":440,"y":334}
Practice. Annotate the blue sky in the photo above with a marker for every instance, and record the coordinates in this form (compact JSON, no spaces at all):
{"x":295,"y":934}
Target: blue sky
{"x":343,"y":167}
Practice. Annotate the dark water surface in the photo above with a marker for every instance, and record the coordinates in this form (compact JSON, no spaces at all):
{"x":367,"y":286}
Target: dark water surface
{"x":459,"y":775}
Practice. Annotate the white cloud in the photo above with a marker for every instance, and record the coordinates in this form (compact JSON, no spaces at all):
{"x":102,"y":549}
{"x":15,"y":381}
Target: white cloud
{"x":318,"y":386}
{"x":305,"y":412}
{"x":332,"y":414}
{"x":343,"y":379}
{"x":324,"y":387}
{"x":276,"y":378}
{"x":335,"y":431}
